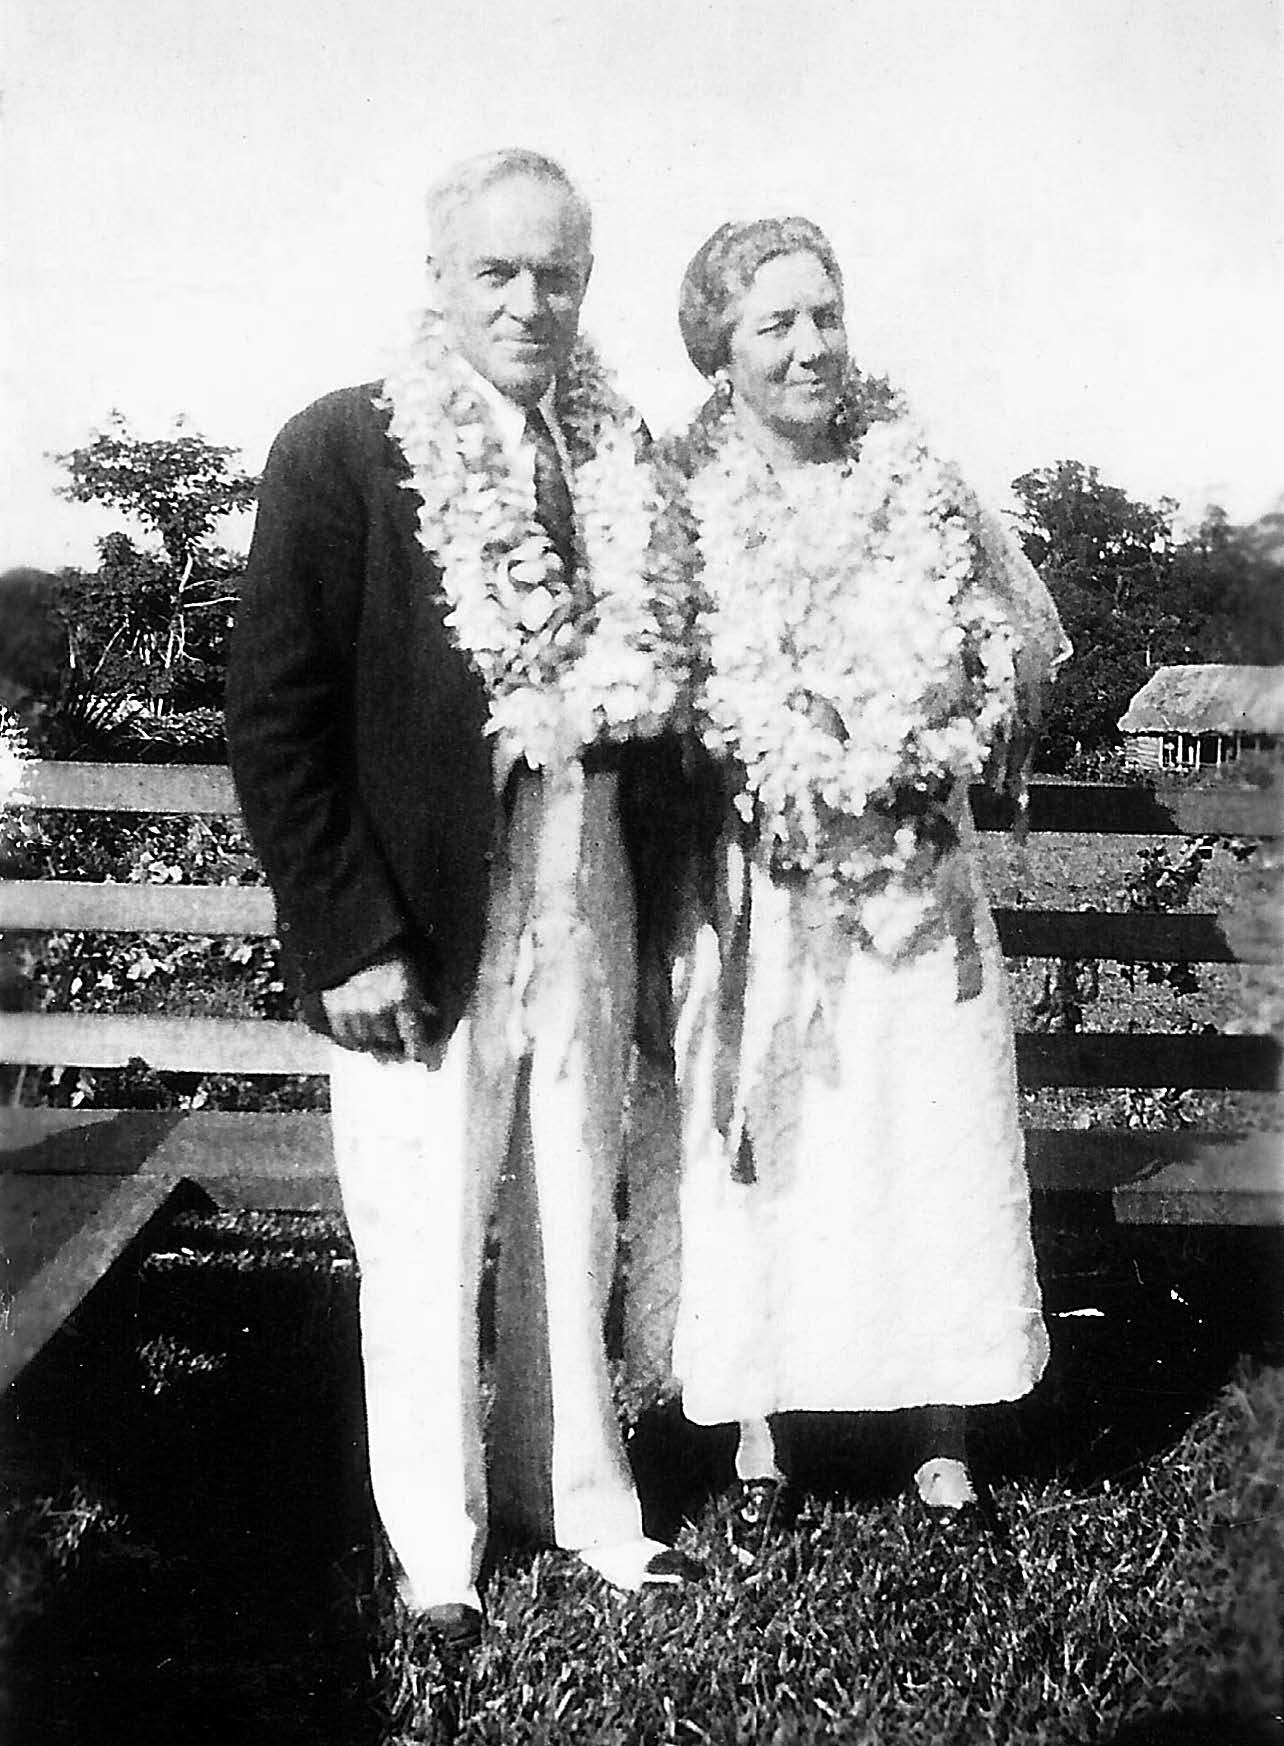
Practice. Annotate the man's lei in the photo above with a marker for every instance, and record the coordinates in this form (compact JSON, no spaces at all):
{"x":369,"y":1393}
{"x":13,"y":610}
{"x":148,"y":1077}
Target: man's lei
{"x":853,"y":663}
{"x":564,"y":669}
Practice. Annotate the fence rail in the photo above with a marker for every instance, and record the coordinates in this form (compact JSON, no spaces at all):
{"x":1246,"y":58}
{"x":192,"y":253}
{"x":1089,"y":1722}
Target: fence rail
{"x":1096,"y":808}
{"x":247,"y":910}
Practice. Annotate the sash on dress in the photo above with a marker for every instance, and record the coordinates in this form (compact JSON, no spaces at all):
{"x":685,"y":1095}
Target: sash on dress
{"x":537,"y":867}
{"x":796,"y":995}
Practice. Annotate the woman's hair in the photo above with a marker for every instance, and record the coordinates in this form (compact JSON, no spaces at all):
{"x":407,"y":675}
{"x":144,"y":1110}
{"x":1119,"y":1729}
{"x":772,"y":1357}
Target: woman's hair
{"x":722,"y":270}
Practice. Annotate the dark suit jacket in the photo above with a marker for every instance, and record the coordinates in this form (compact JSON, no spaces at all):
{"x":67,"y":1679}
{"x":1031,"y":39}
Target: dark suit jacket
{"x":355,"y":725}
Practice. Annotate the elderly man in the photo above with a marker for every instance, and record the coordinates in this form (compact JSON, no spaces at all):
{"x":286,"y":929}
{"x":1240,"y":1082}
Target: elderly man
{"x":451,"y":647}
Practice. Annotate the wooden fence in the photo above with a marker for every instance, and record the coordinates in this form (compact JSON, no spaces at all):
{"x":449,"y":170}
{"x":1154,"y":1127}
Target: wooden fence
{"x":79,"y":1187}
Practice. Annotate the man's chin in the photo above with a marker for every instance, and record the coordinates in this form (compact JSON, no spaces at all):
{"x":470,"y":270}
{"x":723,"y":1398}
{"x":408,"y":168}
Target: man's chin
{"x":527,"y":384}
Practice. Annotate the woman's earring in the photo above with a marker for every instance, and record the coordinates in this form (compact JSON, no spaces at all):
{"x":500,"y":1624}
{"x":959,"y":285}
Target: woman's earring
{"x":722,"y":390}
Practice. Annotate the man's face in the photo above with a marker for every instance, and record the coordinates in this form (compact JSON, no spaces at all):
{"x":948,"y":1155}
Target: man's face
{"x":511,"y":278}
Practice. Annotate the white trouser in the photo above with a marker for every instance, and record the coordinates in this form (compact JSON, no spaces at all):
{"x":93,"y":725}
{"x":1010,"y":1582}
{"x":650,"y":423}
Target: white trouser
{"x":420,"y":1154}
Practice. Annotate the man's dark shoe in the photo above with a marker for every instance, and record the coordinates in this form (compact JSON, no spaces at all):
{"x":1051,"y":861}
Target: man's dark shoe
{"x":671,"y":1568}
{"x":454,"y":1627}
{"x":634,"y":1565}
{"x":427,"y":1666}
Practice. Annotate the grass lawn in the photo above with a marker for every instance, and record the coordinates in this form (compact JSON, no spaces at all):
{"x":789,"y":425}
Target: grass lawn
{"x":189,"y":1556}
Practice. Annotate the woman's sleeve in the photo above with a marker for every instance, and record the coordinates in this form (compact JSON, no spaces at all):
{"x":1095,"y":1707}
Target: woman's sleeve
{"x":1040,"y":645}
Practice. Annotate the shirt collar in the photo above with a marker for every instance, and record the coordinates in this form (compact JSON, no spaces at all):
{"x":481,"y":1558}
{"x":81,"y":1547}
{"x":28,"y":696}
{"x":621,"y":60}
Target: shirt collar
{"x":509,"y":416}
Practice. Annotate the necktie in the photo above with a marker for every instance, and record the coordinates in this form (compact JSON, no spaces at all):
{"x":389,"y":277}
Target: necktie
{"x":553,"y":508}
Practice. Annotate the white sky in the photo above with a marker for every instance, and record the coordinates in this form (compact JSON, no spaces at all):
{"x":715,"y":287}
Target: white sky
{"x":1061,"y":220}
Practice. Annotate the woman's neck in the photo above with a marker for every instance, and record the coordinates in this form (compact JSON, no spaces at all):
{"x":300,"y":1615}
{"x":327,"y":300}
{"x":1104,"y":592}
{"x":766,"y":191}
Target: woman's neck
{"x":784,"y":450}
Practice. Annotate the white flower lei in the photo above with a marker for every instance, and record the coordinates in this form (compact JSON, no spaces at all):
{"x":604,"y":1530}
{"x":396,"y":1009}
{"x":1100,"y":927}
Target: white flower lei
{"x":605,"y":661}
{"x":856,"y":665}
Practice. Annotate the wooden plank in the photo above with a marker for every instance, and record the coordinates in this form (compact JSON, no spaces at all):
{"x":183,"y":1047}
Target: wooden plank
{"x":1100,"y":1160}
{"x":204,"y":1144}
{"x":241,"y":1159}
{"x":82,"y":1250}
{"x":180,"y":788}
{"x":1165,"y":1178}
{"x":251,"y":1159}
{"x":1130,"y":937}
{"x":1154,"y":1058}
{"x":210,"y":1143}
{"x":1136,"y":938}
{"x":1167,"y":809}
{"x":38,"y":1214}
{"x":182,"y":1045}
{"x":157,"y":909}
{"x":1189,"y":1197}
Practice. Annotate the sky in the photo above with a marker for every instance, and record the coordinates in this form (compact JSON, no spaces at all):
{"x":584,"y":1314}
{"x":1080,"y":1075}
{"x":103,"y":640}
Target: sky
{"x":1061,"y":221}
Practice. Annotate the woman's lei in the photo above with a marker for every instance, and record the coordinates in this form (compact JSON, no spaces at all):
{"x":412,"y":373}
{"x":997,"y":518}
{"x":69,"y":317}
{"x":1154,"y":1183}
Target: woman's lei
{"x":563,"y":669}
{"x":853,"y":663}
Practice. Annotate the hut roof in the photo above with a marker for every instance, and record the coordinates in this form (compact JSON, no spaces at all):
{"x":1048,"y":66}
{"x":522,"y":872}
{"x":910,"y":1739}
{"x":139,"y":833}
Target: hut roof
{"x":1208,"y":698}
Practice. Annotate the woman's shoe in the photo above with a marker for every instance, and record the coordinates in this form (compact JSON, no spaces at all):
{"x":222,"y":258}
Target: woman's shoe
{"x":945,"y":1486}
{"x":758,"y":1508}
{"x":957,"y":1508}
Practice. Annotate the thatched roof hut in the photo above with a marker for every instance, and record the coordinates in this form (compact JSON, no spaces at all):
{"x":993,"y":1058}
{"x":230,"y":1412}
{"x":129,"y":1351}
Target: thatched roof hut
{"x":1190,"y":717}
{"x":1208,"y":699}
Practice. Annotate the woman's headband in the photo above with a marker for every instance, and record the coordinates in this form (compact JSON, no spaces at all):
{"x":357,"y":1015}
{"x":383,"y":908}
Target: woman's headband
{"x":722,"y":270}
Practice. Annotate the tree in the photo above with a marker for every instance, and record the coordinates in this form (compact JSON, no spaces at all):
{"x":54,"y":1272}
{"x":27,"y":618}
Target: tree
{"x":179,"y":486}
{"x":1075,"y":525}
{"x":151,"y":624}
{"x":1233,"y":581}
{"x":1134,"y":595}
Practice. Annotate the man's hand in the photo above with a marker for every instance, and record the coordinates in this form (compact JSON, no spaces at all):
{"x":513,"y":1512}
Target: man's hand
{"x":383,"y":1010}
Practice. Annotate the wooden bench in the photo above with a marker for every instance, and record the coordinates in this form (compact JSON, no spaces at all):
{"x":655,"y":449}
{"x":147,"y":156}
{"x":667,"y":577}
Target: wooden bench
{"x":80,"y":1187}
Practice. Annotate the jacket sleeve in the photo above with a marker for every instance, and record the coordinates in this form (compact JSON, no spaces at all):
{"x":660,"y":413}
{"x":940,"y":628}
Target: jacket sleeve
{"x":290,"y":706}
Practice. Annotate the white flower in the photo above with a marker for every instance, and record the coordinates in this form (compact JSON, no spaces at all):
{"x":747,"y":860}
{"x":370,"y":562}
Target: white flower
{"x":561,"y":671}
{"x":535,"y":608}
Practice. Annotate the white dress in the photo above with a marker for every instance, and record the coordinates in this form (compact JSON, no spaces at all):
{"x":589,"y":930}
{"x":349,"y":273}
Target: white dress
{"x":879,"y":1255}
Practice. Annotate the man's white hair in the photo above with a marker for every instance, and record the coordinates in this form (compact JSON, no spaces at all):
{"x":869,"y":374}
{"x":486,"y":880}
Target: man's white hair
{"x":462,"y":184}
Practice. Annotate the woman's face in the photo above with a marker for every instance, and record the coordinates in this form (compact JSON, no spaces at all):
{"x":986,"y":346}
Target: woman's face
{"x":788,"y":348}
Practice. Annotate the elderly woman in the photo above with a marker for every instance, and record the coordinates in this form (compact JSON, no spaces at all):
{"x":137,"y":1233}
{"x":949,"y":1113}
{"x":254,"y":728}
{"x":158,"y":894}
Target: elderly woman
{"x":855,"y":1212}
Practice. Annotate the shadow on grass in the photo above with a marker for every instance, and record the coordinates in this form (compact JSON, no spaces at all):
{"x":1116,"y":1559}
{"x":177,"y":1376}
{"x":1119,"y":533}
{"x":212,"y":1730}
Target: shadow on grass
{"x":1207,"y":1728}
{"x":1147,"y":1325}
{"x":196,"y":1446}
{"x":191,"y":1556}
